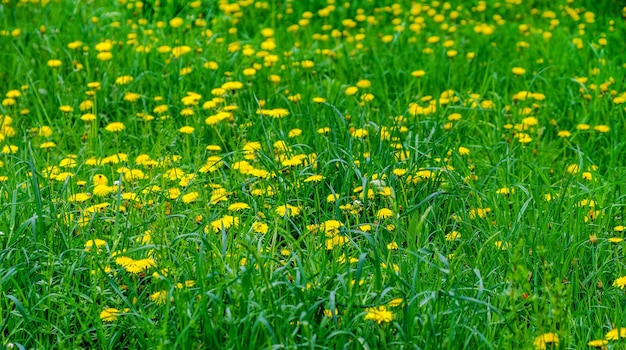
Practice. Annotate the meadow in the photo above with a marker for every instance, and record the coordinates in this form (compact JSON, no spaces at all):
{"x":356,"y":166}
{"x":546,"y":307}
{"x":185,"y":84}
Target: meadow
{"x":312,"y":174}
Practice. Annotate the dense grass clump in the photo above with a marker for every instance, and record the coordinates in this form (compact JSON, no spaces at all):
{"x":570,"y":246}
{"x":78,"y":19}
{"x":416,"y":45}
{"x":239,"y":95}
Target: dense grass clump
{"x":295,"y":174}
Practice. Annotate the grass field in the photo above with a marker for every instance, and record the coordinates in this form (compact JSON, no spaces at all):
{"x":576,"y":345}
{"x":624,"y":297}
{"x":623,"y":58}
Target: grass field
{"x":321,"y":175}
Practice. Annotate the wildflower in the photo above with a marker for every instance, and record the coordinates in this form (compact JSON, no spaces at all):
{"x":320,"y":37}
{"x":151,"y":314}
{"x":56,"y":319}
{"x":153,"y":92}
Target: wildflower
{"x":278,"y":113}
{"x":351,"y":90}
{"x":224,"y":223}
{"x":452,"y":236}
{"x":54,"y":63}
{"x":79,"y":197}
{"x":115,"y":127}
{"x":601,"y":128}
{"x":518,"y":71}
{"x":336,"y":241}
{"x":615,"y":334}
{"x":314,"y":178}
{"x":98,"y":243}
{"x":109,"y":314}
{"x":238,"y":206}
{"x":260,"y":227}
{"x":135,"y":266}
{"x":598,"y":343}
{"x":379,"y":314}
{"x":190,"y":197}
{"x":547,"y":338}
{"x":384,"y":213}
{"x":620,"y":282}
{"x":287,"y":210}
{"x":159,"y":298}
{"x":395,"y":302}
{"x":186,"y":130}
{"x":464,"y":151}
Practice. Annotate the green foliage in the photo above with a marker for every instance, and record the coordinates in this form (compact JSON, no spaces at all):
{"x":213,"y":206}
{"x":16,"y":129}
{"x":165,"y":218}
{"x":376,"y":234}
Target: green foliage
{"x":294,"y":174}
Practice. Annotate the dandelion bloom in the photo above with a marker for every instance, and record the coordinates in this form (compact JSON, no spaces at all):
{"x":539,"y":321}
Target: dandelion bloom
{"x":159,"y":297}
{"x":598,"y":343}
{"x":452,"y":236}
{"x":615,"y":333}
{"x":190,"y":197}
{"x":601,"y":128}
{"x":109,"y":314}
{"x":186,"y":130}
{"x":115,"y":127}
{"x":620,"y":282}
{"x":287,"y":210}
{"x":314,"y":178}
{"x":224,"y":223}
{"x":518,"y":71}
{"x":547,"y":338}
{"x":98,"y":243}
{"x":384,"y":213}
{"x":54,"y":63}
{"x":379,"y":314}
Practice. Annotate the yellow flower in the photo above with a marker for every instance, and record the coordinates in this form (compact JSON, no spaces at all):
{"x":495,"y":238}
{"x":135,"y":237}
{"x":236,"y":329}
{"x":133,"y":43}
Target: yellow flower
{"x":176,"y":22}
{"x":620,"y":282}
{"x":314,"y":178}
{"x":109,"y":314}
{"x":396,"y":302}
{"x":78,"y":197}
{"x":452,"y":236}
{"x":384,"y":213}
{"x":518,"y":71}
{"x":186,"y":130}
{"x":98,"y":243}
{"x":547,"y":338}
{"x":190,"y":197}
{"x":115,"y":127}
{"x":379,"y":314}
{"x":224,"y":223}
{"x":238,"y":206}
{"x":54,"y":63}
{"x":135,"y":266}
{"x":288,"y":210}
{"x":615,"y":333}
{"x":601,"y":128}
{"x":598,"y":343}
{"x":159,"y":298}
{"x":260,"y":227}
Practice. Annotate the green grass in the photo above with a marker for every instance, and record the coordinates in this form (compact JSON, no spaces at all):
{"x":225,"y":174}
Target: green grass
{"x":476,"y":205}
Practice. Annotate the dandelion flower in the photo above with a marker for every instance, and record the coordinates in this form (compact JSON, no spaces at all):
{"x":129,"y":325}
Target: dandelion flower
{"x":190,"y":197}
{"x":287,"y":210}
{"x":115,"y":127}
{"x":159,"y":298}
{"x":109,"y":314}
{"x":620,"y":282}
{"x":384,"y":213}
{"x":98,"y":243}
{"x":314,"y":178}
{"x":54,"y":63}
{"x":518,"y":71}
{"x":598,"y":343}
{"x":186,"y":130}
{"x":379,"y":314}
{"x":615,"y":333}
{"x":547,"y":338}
{"x":601,"y":128}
